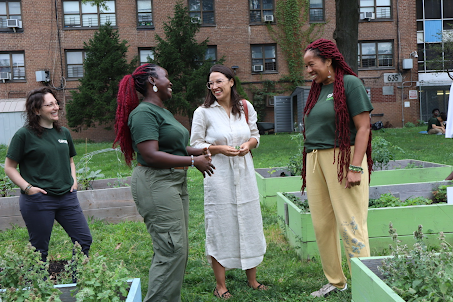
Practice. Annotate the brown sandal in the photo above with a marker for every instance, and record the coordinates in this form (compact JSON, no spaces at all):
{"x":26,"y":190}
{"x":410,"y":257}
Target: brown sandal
{"x":225,"y":296}
{"x":259,"y":287}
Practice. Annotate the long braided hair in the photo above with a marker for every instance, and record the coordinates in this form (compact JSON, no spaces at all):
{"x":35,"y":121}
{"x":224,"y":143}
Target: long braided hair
{"x":127,"y":101}
{"x":326,"y":49}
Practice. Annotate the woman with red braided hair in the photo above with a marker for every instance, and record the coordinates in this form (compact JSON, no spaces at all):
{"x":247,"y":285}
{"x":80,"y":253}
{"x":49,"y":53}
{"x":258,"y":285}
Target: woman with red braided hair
{"x":159,"y":182}
{"x":336,"y":160}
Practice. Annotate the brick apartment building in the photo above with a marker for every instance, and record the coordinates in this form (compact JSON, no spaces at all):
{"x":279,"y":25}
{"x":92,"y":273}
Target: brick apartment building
{"x":41,"y":43}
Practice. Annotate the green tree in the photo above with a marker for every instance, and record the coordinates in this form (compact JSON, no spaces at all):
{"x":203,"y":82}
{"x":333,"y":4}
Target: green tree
{"x":184,"y":59}
{"x":346,"y":32}
{"x":104,"y":66}
{"x":439,"y":55}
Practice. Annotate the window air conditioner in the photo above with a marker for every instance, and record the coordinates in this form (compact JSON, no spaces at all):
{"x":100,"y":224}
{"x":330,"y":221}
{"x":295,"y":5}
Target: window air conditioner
{"x":257,"y":68}
{"x":5,"y":75}
{"x":367,"y":16}
{"x":268,"y":18}
{"x":196,"y":20}
{"x":13,"y":23}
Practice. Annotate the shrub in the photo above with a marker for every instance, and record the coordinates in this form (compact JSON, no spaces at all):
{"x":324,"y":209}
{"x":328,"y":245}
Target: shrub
{"x":409,"y":125}
{"x":383,"y":152}
{"x":419,"y":274}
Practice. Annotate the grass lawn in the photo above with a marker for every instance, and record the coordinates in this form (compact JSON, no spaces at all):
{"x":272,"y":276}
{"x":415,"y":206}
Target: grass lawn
{"x":289,"y":278}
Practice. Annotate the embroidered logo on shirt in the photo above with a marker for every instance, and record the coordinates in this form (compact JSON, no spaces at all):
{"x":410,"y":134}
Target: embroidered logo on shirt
{"x":329,"y":97}
{"x":63,"y":141}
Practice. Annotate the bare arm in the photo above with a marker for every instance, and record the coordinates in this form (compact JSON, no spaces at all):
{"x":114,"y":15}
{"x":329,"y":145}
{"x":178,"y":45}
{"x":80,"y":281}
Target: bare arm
{"x":16,"y":178}
{"x":362,"y":124}
{"x":158,"y":159}
{"x":73,"y":173}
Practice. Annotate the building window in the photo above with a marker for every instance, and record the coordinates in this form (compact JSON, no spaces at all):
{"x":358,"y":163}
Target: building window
{"x":259,"y":9}
{"x":375,"y":54}
{"x":264,"y":58}
{"x":202,"y":11}
{"x":13,"y":63}
{"x":145,"y":13}
{"x":74,"y":63}
{"x":382,"y":9}
{"x":78,"y":14}
{"x":9,"y":10}
{"x":146,"y":54}
{"x":316,"y":10}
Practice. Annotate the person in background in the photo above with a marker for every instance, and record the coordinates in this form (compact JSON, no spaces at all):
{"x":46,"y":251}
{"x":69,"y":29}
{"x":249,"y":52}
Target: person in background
{"x":233,"y":222}
{"x":44,"y":152}
{"x":435,"y":123}
{"x":336,"y":160}
{"x":159,"y":182}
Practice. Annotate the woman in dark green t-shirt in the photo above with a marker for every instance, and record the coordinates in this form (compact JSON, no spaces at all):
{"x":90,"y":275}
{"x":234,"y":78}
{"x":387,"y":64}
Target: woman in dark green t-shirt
{"x":159,"y":182}
{"x":337,"y":159}
{"x":44,"y":152}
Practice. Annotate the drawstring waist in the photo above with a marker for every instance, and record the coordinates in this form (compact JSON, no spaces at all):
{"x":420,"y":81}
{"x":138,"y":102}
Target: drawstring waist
{"x":314,"y":153}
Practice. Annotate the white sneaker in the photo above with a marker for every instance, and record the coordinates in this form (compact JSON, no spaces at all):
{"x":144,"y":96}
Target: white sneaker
{"x":327,"y":290}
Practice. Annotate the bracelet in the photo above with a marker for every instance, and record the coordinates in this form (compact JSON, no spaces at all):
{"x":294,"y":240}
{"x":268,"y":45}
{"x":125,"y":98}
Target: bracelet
{"x":27,"y":189}
{"x":355,"y":169}
{"x":192,"y":161}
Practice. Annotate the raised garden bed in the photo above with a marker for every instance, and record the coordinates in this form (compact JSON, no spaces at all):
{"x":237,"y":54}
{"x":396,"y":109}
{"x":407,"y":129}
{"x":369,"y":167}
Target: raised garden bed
{"x":298,"y":229}
{"x":134,"y":295}
{"x":111,"y":204}
{"x":271,"y":180}
{"x":367,"y":285}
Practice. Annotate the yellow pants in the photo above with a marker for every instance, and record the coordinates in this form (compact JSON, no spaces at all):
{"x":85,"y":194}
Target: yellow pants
{"x":336,"y":210}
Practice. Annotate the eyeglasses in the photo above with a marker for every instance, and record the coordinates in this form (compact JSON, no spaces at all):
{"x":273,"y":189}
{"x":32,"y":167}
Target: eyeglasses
{"x":52,"y":105}
{"x":211,"y":84}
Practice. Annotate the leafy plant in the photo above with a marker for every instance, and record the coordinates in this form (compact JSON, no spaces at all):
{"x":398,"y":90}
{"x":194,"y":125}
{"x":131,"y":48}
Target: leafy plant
{"x":6,"y":185}
{"x":85,"y":178}
{"x":387,"y":200}
{"x":383,"y":152}
{"x":419,"y":274}
{"x":302,"y":204}
{"x":97,"y":280}
{"x":409,"y":125}
{"x":440,"y":195}
{"x":25,"y":276}
{"x":296,"y":161}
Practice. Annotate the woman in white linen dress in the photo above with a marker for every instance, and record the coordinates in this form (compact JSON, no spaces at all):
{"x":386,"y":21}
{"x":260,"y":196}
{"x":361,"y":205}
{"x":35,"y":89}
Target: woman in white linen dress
{"x":234,"y":227}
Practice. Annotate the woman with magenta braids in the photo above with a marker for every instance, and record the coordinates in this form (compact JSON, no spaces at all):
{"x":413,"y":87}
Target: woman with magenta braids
{"x":336,"y":160}
{"x":159,"y":182}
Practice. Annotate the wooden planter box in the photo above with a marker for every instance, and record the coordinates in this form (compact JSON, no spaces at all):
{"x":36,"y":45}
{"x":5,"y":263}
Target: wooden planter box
{"x":112,"y":205}
{"x":366,"y":284}
{"x":298,"y":228}
{"x":134,"y":295}
{"x":270,"y":183}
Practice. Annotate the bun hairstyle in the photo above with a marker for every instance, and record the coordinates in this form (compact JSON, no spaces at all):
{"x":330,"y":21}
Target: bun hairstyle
{"x":326,"y":49}
{"x":127,"y":101}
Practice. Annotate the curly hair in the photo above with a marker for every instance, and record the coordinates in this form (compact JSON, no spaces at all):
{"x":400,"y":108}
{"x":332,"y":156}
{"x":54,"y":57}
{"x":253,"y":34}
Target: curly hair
{"x":235,"y":97}
{"x":326,"y":49}
{"x":127,"y":101}
{"x":33,"y":104}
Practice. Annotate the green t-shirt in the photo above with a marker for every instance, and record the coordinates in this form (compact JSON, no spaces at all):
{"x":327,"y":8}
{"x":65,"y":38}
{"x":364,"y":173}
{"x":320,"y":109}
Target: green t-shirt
{"x":320,"y":122}
{"x":44,"y":161}
{"x":431,"y":121}
{"x":151,"y":122}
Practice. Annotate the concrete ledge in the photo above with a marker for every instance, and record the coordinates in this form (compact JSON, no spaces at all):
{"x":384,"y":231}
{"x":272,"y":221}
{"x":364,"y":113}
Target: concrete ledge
{"x":112,"y":205}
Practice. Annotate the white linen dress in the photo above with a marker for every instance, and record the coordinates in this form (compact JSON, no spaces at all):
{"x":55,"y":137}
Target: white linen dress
{"x":233,"y":223}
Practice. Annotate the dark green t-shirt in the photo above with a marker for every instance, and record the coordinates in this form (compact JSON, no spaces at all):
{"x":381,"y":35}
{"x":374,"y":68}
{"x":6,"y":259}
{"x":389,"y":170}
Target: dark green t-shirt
{"x":431,"y":121}
{"x":320,"y":122}
{"x":44,"y":161}
{"x":151,"y":122}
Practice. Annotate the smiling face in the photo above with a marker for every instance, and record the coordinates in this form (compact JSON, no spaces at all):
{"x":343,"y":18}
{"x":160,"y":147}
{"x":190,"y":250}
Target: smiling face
{"x":220,"y":86}
{"x":48,"y":113}
{"x":318,"y":69}
{"x":163,"y":84}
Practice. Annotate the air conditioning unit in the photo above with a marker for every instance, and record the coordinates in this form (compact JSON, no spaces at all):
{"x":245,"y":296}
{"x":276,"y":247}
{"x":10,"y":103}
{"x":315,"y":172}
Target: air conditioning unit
{"x":257,"y":68}
{"x":14,"y":23}
{"x":268,"y":18}
{"x":5,"y":76}
{"x":196,"y":20}
{"x":367,"y":16}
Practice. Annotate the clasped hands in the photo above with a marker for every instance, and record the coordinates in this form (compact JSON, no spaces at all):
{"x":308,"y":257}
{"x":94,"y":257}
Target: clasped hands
{"x":241,"y":150}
